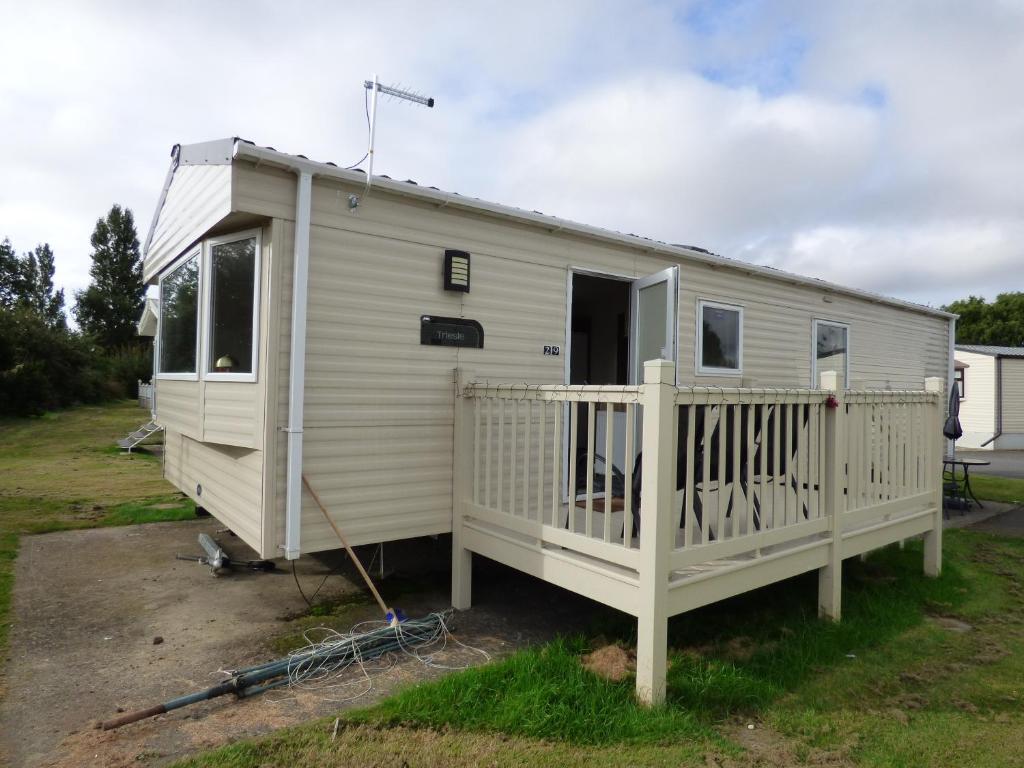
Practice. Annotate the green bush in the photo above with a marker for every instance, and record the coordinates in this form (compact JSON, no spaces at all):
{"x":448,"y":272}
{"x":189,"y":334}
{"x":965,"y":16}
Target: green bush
{"x":43,"y":367}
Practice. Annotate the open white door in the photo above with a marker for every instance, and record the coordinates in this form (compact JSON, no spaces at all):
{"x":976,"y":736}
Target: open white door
{"x":653,"y":320}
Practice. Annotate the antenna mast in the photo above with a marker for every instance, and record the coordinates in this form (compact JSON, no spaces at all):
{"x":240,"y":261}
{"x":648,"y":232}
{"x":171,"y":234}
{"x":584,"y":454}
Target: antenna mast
{"x":403,"y":94}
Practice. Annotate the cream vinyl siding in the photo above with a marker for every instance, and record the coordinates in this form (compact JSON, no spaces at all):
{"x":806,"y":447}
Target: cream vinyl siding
{"x":978,"y":409}
{"x":199,"y":196}
{"x":1013,"y":395}
{"x":378,"y":406}
{"x":231,"y":479}
{"x":177,"y":406}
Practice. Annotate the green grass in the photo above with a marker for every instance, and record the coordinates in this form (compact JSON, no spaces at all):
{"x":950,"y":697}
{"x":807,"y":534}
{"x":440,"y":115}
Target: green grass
{"x":888,"y":686}
{"x":991,"y":488}
{"x":62,"y":471}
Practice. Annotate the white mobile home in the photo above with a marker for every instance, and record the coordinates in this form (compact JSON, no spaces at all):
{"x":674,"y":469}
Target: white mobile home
{"x":434,"y":363}
{"x":991,"y":384}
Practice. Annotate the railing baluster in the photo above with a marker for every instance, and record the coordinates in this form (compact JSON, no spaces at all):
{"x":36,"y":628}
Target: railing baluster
{"x":514,"y":452}
{"x":574,"y":421}
{"x":541,"y":464}
{"x":748,"y":474}
{"x":501,"y":454}
{"x":628,"y":511}
{"x":737,"y":413}
{"x":723,"y":436}
{"x":476,"y":450}
{"x":762,"y":484}
{"x":609,"y":433}
{"x":788,"y":463}
{"x":689,"y":520}
{"x":527,"y":457}
{"x":800,"y":459}
{"x":487,"y":461}
{"x":705,"y":492}
{"x":556,"y":463}
{"x":588,"y":522}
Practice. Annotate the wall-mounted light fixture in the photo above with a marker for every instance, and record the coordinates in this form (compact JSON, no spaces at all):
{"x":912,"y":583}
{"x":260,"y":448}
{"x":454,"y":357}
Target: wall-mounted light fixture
{"x":456,"y":271}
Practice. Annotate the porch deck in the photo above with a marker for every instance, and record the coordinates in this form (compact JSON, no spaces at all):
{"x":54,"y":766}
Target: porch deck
{"x":714,"y":492}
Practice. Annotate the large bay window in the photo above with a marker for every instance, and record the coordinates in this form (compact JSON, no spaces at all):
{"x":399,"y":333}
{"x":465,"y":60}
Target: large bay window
{"x":217,"y":285}
{"x":179,"y":320}
{"x":233,"y":304}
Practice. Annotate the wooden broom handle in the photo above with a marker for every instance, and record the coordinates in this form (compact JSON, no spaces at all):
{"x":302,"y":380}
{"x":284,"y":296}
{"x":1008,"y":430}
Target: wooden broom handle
{"x":341,"y":537}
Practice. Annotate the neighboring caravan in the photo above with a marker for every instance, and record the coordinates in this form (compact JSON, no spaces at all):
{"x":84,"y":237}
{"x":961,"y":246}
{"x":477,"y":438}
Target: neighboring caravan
{"x":552,"y":302}
{"x":991,"y":384}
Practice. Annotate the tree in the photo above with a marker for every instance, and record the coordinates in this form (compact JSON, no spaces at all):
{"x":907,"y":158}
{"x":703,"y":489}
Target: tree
{"x":109,"y":308}
{"x":10,"y":275}
{"x":1000,"y":322}
{"x":27,"y":283}
{"x":36,"y":291}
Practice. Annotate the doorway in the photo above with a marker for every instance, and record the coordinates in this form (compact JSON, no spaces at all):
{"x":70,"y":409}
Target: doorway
{"x":615,"y":324}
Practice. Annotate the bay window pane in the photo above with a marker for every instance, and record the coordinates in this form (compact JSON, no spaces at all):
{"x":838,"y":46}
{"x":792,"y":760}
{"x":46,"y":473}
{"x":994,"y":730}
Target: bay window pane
{"x":232,"y":284}
{"x":179,"y":315}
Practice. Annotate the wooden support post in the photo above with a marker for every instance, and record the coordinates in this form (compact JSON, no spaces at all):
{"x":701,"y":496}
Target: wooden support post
{"x":830,"y":578}
{"x":933,"y":475}
{"x":464,"y":446}
{"x":656,"y":530}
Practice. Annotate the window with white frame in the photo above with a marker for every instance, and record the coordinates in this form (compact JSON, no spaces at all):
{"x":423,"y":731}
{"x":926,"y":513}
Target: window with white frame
{"x":719,"y":338}
{"x":233,"y":270}
{"x":179,"y":320}
{"x":831,"y":352}
{"x":960,"y":377}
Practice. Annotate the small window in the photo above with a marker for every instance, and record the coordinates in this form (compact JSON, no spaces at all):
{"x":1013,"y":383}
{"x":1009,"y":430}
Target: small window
{"x":233,"y":270}
{"x":179,"y":320}
{"x":959,"y":377}
{"x":831,"y":351}
{"x":720,"y":339}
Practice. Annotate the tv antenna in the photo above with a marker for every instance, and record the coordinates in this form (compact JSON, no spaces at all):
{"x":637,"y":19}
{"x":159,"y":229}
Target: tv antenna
{"x":403,"y":94}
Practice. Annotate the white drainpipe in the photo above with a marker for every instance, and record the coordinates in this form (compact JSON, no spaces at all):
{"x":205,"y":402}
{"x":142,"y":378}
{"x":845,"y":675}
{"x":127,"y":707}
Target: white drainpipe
{"x":297,"y":367}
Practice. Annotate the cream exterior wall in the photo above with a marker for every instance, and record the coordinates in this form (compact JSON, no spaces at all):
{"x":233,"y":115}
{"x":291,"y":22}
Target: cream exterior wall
{"x":978,"y":408}
{"x":379,"y":406}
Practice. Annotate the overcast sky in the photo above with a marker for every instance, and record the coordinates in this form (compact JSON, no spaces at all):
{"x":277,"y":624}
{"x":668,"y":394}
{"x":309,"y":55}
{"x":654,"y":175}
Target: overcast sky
{"x":876,"y":144}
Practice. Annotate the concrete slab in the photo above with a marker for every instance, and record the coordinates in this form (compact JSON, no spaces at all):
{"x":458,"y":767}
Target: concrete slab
{"x":88,"y":605}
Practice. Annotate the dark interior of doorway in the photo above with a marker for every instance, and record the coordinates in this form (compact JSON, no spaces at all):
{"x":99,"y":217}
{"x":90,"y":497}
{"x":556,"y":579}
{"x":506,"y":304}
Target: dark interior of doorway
{"x":599,"y":348}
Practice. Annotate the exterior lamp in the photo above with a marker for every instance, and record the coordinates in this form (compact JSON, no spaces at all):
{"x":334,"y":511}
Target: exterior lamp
{"x":456,"y":271}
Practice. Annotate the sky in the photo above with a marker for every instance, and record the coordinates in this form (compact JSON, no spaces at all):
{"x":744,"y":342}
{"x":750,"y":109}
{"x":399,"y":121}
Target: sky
{"x":879,"y":145}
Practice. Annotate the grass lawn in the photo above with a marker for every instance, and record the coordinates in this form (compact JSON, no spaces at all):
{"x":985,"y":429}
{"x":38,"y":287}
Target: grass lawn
{"x":991,"y":488}
{"x":63,"y":471}
{"x":920,"y":672}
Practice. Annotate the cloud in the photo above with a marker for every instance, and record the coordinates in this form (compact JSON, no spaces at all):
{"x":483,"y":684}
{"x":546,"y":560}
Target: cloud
{"x":872,"y":143}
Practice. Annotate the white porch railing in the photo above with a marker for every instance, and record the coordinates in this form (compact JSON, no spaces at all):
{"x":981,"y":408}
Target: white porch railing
{"x":657,"y":499}
{"x":145,"y":395}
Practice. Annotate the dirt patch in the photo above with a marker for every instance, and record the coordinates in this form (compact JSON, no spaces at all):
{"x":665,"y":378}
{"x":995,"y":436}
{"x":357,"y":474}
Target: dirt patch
{"x":950,"y":624}
{"x":764,"y":746}
{"x":612,"y":662}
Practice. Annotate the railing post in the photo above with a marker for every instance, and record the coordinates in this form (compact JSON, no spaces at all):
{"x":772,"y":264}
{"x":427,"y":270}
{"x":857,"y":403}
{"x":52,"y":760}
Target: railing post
{"x":462,"y":463}
{"x":933,"y":474}
{"x":830,"y":578}
{"x":656,"y":530}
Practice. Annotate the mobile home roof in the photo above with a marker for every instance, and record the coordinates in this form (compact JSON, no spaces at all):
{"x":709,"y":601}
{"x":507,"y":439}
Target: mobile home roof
{"x":219,"y":152}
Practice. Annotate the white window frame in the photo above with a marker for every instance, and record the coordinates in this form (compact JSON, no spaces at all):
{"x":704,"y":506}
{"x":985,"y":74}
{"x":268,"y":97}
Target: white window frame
{"x":207,"y":327}
{"x":815,"y":383}
{"x":961,"y":382}
{"x":171,"y":376}
{"x":698,"y":362}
